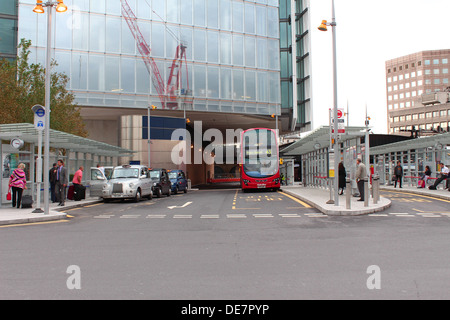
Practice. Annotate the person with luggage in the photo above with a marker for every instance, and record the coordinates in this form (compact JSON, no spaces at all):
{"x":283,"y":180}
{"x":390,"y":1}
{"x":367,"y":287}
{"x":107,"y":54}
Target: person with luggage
{"x":443,"y":176}
{"x":424,"y":179}
{"x":78,"y":188}
{"x":62,"y":180}
{"x":398,"y":171}
{"x":17,"y":183}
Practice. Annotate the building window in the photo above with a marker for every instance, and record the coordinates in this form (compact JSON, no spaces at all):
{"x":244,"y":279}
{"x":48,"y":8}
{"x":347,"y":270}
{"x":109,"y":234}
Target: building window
{"x":445,"y":71}
{"x":444,"y":61}
{"x":435,"y":61}
{"x":436,"y":71}
{"x":427,"y":62}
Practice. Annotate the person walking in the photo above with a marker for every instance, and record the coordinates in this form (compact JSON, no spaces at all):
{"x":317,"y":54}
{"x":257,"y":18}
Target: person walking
{"x":398,"y":171}
{"x":342,"y":178}
{"x":62,"y":180}
{"x":361,"y":174}
{"x":18,"y":183}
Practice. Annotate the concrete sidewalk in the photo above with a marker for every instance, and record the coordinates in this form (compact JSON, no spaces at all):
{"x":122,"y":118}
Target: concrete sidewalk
{"x":317,"y":198}
{"x":9,"y":215}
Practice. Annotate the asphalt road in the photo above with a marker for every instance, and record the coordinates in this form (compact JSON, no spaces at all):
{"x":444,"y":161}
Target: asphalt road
{"x":225,"y":244}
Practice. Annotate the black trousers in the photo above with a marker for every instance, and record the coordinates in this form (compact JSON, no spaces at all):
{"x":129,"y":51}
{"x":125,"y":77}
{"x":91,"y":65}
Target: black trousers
{"x":398,"y":178}
{"x":439,"y":180}
{"x":361,"y":189}
{"x":16,"y":196}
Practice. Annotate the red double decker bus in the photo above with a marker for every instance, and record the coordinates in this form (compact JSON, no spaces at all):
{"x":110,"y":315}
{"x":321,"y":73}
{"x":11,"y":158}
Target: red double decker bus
{"x":259,"y":163}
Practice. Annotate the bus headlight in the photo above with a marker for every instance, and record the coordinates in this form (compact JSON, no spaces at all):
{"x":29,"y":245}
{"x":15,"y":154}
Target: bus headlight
{"x":246,"y":182}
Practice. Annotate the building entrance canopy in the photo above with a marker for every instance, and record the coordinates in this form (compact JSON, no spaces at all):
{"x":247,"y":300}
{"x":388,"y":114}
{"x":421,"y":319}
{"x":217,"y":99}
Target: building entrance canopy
{"x":320,"y":139}
{"x":78,"y":152}
{"x":62,"y":140}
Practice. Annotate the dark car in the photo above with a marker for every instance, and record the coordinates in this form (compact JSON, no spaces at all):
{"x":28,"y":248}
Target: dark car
{"x":178,"y":179}
{"x":161,"y":182}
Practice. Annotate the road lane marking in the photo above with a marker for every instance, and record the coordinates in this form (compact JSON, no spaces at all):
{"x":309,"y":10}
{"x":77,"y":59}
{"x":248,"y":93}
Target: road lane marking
{"x":94,"y":205}
{"x":315,"y":215}
{"x":182,"y":216}
{"x":209,"y":216}
{"x":290,"y":215}
{"x":236,"y":216}
{"x":130,"y":216}
{"x":104,"y":216}
{"x":418,"y":195}
{"x":156,"y":216}
{"x":263,"y":215}
{"x":180,"y":207}
{"x":33,"y":223}
{"x":304,"y":204}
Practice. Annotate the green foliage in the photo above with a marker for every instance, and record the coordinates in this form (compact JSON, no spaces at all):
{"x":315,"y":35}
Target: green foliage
{"x":23,"y":86}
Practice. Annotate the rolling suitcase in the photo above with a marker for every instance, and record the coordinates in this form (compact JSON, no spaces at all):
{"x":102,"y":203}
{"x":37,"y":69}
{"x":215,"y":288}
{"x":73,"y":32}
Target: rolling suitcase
{"x":27,"y":201}
{"x":70,"y":192}
{"x":80,"y":193}
{"x":421,"y":184}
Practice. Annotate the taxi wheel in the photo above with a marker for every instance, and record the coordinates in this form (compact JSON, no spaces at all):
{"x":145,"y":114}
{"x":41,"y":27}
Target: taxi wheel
{"x":176,"y":190}
{"x":138,"y":196}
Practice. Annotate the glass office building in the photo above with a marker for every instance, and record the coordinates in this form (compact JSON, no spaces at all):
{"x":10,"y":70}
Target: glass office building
{"x":299,"y":111}
{"x":8,"y":29}
{"x":232,"y":55}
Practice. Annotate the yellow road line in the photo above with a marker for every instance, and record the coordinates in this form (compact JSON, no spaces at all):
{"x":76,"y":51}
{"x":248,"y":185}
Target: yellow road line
{"x":93,"y":205}
{"x":419,"y":195}
{"x":32,"y":224}
{"x":304,"y":204}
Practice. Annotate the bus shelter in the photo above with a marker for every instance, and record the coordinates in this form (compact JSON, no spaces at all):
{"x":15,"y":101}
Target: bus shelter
{"x":314,"y":151}
{"x":75,"y":151}
{"x":414,"y":155}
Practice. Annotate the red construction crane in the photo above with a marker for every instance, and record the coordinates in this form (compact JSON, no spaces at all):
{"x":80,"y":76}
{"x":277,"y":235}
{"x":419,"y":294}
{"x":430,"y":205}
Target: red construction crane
{"x":167,"y":94}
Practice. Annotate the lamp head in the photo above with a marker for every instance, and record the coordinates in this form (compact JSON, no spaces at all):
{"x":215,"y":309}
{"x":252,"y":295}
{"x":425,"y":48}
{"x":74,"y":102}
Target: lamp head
{"x":323,"y":26}
{"x":38,"y":8}
{"x":61,"y":7}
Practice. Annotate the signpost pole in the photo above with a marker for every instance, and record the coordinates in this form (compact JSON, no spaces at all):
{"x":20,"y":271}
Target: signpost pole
{"x":40,"y":125}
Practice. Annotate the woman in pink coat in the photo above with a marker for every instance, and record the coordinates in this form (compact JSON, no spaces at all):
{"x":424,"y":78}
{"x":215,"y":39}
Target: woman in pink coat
{"x":18,"y":182}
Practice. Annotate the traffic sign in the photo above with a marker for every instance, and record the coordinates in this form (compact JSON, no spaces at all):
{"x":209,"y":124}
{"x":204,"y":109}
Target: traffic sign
{"x":39,"y":117}
{"x":341,"y":121}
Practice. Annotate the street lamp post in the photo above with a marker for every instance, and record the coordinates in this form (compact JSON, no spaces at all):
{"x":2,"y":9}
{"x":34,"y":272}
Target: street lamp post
{"x":323,"y":27}
{"x":39,"y":8}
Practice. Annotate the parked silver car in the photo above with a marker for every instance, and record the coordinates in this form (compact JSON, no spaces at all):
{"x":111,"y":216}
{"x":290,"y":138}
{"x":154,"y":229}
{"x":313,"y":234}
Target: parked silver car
{"x":128,"y":182}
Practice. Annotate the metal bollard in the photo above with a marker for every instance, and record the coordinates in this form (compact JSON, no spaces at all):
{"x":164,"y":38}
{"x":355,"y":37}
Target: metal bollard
{"x":376,"y":188}
{"x":348,"y":193}
{"x":366,"y":192}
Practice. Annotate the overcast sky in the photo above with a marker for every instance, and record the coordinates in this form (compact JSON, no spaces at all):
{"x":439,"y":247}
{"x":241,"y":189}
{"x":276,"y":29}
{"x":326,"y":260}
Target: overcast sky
{"x":368,"y":34}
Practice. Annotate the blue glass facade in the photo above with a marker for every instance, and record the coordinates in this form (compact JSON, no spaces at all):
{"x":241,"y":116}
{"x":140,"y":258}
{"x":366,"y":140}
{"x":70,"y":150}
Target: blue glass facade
{"x":8,"y":28}
{"x":232,"y":52}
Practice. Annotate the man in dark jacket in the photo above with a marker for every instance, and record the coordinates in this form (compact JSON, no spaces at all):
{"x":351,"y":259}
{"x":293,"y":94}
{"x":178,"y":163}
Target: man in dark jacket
{"x":52,"y":179}
{"x":62,"y":180}
{"x":398,"y":171}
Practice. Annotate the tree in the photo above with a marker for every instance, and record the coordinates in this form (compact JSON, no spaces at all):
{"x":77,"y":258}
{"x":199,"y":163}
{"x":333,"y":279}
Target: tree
{"x":23,"y":86}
